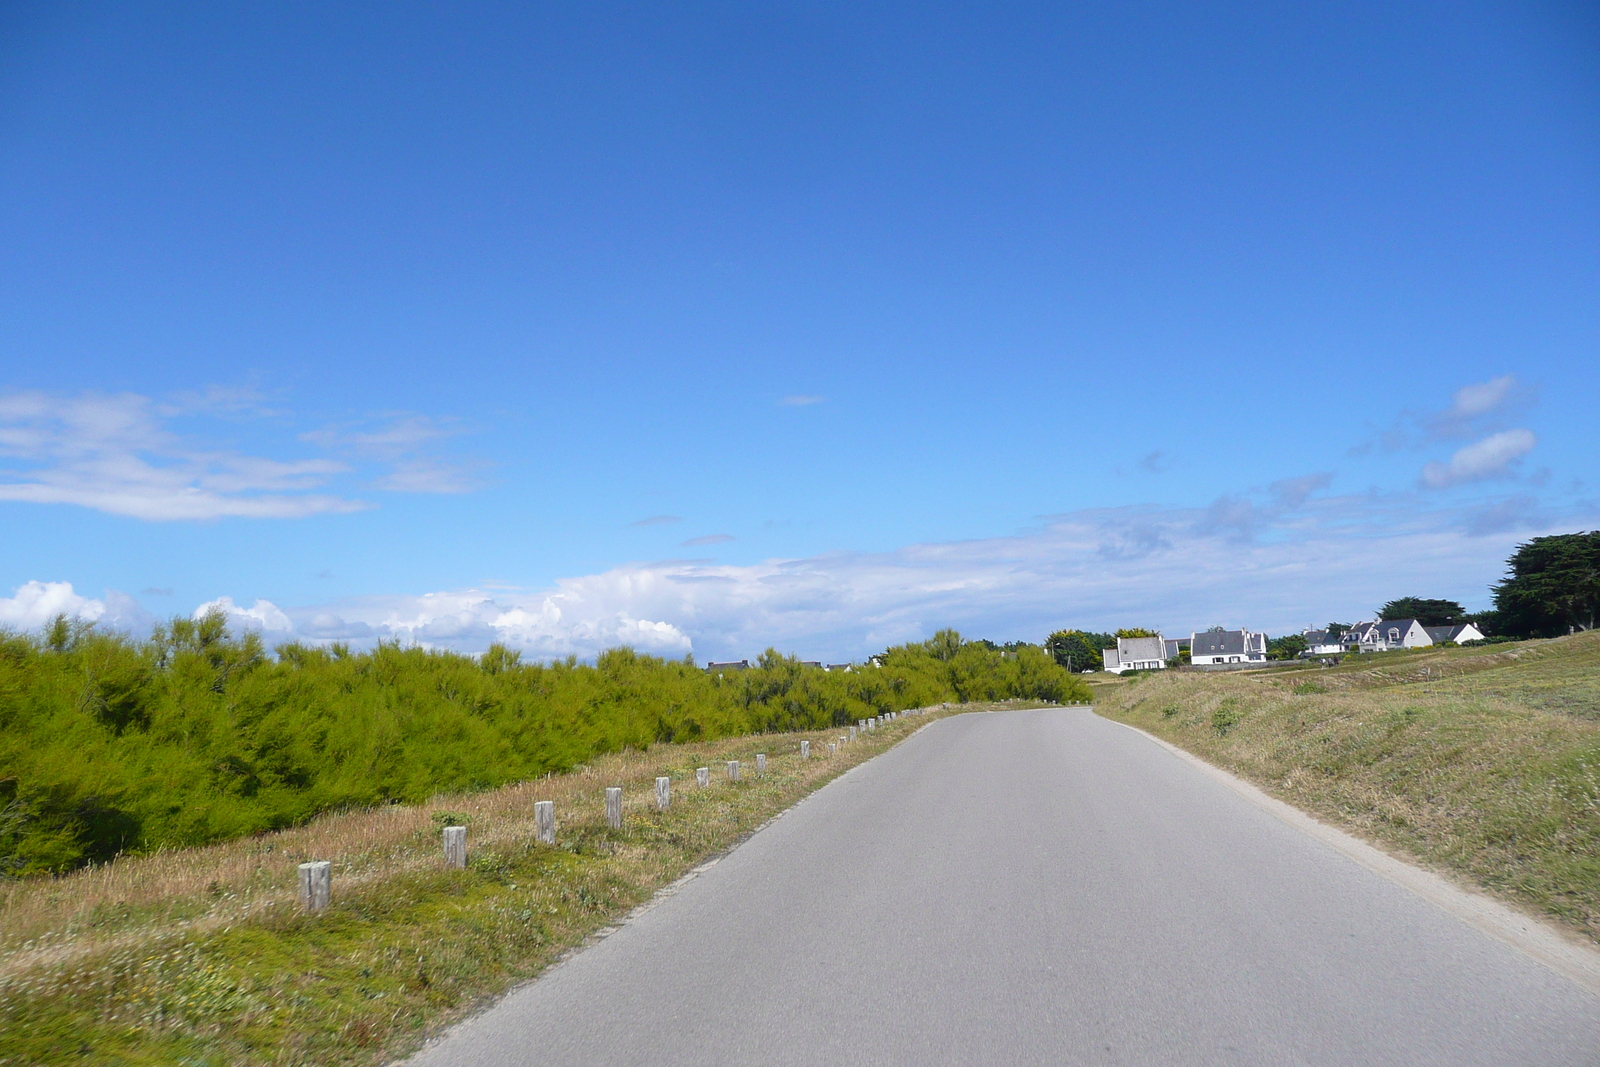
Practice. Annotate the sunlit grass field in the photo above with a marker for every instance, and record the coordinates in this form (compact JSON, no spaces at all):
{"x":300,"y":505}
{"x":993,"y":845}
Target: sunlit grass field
{"x":1482,"y":762}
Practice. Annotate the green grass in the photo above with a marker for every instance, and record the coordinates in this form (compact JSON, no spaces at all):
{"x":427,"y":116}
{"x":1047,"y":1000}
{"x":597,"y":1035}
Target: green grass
{"x":201,"y":957}
{"x":1483,"y":762}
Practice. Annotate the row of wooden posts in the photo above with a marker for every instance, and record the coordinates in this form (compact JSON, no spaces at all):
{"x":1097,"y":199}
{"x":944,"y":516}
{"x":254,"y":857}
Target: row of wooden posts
{"x":316,"y":877}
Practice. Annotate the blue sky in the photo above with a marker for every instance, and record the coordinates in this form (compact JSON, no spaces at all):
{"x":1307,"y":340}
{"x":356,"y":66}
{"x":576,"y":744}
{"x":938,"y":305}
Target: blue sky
{"x":707,"y":327}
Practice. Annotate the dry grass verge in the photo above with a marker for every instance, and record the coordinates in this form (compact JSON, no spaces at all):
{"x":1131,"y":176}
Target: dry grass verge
{"x":202,"y":957}
{"x":1484,"y":761}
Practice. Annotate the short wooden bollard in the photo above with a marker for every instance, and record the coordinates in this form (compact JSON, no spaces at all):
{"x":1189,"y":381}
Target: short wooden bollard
{"x":663,"y":793}
{"x":733,"y":770}
{"x":544,"y":820}
{"x":614,"y":806}
{"x":316,"y":884}
{"x":761,"y":762}
{"x":852,"y":733}
{"x":702,"y":776}
{"x":455,"y":846}
{"x":832,"y":748}
{"x":805,"y":750}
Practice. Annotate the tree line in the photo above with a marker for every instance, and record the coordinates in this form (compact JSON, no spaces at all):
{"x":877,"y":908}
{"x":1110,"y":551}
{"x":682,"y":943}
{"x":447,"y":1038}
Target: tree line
{"x":111,"y":745}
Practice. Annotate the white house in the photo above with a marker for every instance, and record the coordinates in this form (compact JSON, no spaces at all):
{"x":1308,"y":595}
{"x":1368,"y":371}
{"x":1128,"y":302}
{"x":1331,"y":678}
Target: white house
{"x":1227,"y":646}
{"x":1460,"y":633}
{"x":1386,"y":635}
{"x":1136,"y":654}
{"x":1322,"y":643}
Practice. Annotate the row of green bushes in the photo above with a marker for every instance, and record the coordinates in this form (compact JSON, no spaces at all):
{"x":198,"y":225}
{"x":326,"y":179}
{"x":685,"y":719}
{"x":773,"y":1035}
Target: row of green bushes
{"x":110,"y":745}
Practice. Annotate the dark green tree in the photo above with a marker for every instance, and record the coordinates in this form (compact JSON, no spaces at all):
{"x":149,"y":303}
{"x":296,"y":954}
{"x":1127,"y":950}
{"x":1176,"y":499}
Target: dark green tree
{"x":1286,"y":647}
{"x":1077,"y":650}
{"x":1427,"y":612}
{"x":1552,"y":588}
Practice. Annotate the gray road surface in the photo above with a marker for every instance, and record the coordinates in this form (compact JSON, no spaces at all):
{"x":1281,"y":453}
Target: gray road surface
{"x":1036,"y":887}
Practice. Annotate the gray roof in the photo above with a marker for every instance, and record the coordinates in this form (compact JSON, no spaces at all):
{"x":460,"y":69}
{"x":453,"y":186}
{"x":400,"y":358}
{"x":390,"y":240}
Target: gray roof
{"x":1375,"y":632}
{"x":1132,"y":648}
{"x":1218,"y":643}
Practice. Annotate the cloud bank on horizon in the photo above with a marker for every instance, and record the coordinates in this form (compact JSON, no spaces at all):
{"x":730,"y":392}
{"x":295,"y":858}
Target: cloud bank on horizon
{"x":1278,"y":566}
{"x":1279,"y":557}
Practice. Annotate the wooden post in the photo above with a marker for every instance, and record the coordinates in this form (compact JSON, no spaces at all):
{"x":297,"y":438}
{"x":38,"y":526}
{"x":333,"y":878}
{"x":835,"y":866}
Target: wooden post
{"x":852,"y":733}
{"x":663,"y":793}
{"x":702,"y":776}
{"x":455,"y":846}
{"x":832,"y":748}
{"x":316,"y":884}
{"x":614,"y":806}
{"x":733,"y":770}
{"x":805,"y":750}
{"x":544,"y":818}
{"x":761,"y":762}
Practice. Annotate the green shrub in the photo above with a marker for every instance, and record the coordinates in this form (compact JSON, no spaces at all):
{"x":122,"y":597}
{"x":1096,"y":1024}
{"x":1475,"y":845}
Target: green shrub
{"x":1226,"y":717}
{"x":108,"y":745}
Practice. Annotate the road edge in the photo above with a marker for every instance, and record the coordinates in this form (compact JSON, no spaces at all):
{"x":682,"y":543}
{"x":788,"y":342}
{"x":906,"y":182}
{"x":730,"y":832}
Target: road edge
{"x":1549,"y":945}
{"x":658,"y":897}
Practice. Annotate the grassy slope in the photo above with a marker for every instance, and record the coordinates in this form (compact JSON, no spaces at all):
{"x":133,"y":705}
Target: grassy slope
{"x":201,"y":957}
{"x":1482,"y":761}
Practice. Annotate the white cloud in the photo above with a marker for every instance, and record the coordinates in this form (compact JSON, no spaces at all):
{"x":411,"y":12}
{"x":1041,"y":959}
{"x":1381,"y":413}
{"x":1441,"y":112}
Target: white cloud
{"x":400,"y":436}
{"x":262,"y":615}
{"x":1491,"y":457}
{"x":1476,"y":408}
{"x":36,"y":603}
{"x":113,"y":453}
{"x":118,"y":454}
{"x":417,"y":475}
{"x":1267,"y":565}
{"x":1278,"y":559}
{"x":1481,"y":397}
{"x":401,"y":443}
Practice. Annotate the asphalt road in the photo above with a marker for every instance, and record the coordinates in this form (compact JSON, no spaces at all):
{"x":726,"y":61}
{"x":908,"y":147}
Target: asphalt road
{"x":1036,"y":887}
